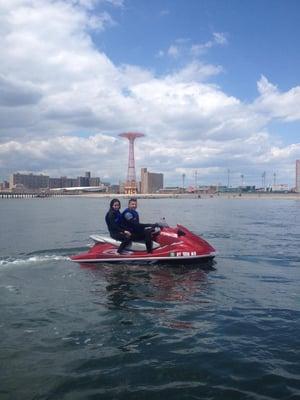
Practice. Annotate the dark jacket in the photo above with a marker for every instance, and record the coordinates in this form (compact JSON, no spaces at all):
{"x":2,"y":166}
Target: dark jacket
{"x":113,"y":221}
{"x":130,"y":220}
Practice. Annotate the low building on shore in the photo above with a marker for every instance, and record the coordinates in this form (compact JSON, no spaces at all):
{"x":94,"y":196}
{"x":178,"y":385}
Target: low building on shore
{"x":280,"y":188}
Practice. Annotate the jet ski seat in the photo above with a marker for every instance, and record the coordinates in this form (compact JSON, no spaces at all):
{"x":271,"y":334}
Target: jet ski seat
{"x":134,"y":246}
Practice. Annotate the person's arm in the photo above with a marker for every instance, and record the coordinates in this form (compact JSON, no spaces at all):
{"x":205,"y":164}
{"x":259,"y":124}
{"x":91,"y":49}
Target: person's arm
{"x":112,"y":223}
{"x":135,"y":223}
{"x":130,"y":220}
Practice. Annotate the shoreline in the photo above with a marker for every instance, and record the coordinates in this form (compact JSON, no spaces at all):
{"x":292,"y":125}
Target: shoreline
{"x":229,"y":196}
{"x":199,"y":196}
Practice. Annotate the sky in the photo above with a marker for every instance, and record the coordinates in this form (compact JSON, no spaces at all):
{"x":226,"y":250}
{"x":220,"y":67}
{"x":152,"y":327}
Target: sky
{"x":213,"y":84}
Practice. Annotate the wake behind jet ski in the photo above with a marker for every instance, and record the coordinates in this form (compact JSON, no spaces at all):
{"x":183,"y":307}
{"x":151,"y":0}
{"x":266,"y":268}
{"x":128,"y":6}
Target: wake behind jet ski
{"x":169,"y":244}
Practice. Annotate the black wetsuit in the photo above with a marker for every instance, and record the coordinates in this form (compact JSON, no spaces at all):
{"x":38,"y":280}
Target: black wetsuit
{"x":113,"y":221}
{"x":131,"y":222}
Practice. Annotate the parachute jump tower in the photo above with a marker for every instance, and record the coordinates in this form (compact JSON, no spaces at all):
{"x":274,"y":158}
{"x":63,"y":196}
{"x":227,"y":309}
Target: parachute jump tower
{"x":131,"y":184}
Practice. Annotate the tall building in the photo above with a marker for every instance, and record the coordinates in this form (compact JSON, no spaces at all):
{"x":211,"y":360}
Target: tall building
{"x":83,"y":181}
{"x":55,"y":183}
{"x":35,"y":182}
{"x":68,"y":182}
{"x":4,"y":185}
{"x":298,"y":176}
{"x":29,"y":181}
{"x":95,"y":181}
{"x":62,"y":182}
{"x":151,"y":182}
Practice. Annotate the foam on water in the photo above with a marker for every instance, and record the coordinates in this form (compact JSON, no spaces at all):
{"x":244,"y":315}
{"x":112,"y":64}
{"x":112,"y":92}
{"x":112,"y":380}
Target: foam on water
{"x":32,"y":260}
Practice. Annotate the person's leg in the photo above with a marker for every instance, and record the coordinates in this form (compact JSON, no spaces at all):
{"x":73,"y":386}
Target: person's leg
{"x":124,"y":241}
{"x":148,"y":239}
{"x":146,"y":235}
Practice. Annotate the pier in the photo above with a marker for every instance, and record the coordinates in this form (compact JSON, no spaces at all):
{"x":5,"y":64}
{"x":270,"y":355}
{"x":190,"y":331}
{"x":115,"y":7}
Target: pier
{"x":23,"y":195}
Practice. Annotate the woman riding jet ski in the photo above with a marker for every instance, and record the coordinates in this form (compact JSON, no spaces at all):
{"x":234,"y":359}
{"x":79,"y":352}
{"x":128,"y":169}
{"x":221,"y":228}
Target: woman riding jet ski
{"x":169,"y":244}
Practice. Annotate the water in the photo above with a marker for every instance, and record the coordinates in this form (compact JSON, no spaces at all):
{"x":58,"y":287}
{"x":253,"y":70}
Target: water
{"x":150,"y":332}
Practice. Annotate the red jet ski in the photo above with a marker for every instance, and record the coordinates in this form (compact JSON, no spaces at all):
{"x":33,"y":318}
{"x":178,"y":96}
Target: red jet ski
{"x":169,"y":244}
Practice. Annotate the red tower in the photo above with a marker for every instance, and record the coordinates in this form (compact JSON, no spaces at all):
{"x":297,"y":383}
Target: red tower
{"x":131,"y":184}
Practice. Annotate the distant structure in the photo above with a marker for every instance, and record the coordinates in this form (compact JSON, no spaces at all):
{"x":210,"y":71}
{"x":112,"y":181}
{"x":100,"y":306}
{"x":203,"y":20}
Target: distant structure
{"x":29,"y":181}
{"x":263,"y":180}
{"x":151,"y":182}
{"x":37,"y":182}
{"x":131,"y":184}
{"x":297,"y":176}
{"x":279,"y":188}
{"x":4,"y":185}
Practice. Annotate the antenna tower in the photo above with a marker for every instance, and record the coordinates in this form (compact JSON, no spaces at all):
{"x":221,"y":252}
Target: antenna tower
{"x":131,"y":184}
{"x":228,"y":177}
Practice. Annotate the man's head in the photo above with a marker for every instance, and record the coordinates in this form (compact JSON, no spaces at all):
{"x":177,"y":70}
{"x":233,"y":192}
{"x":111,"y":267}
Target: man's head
{"x":132,"y":204}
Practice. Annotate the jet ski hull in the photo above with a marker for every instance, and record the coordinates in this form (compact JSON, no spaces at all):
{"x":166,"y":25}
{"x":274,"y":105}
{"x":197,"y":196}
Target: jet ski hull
{"x":175,"y":245}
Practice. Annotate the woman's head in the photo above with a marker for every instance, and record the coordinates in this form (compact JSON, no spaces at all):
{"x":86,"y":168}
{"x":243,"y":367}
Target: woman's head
{"x":115,"y":204}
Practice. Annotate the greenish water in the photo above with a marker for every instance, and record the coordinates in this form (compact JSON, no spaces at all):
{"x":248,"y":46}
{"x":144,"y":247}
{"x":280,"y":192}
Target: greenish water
{"x":150,"y":332}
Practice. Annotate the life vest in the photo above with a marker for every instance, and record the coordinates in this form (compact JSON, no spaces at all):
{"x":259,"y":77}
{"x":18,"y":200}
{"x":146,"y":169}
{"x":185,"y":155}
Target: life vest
{"x":130,"y":218}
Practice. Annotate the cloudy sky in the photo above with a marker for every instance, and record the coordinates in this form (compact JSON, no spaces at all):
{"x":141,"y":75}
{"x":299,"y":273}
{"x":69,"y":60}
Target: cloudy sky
{"x":213,"y":84}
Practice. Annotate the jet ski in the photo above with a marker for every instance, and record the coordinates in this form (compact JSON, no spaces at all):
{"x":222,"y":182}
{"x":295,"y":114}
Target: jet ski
{"x":169,"y":244}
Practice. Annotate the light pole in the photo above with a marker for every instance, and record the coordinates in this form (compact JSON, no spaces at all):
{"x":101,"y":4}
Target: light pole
{"x":228,"y":178}
{"x":263,"y":179}
{"x":242,"y":179}
{"x":196,"y":181}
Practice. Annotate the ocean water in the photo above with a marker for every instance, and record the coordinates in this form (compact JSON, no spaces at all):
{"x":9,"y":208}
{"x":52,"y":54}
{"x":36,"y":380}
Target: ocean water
{"x":230,"y":330}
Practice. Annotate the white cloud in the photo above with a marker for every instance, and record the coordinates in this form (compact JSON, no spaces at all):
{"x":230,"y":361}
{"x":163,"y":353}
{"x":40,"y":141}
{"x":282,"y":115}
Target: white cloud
{"x":219,"y":39}
{"x":90,"y":4}
{"x":173,"y":51}
{"x":17,"y":93}
{"x":272,"y":102}
{"x":182,"y":47}
{"x":62,"y":154}
{"x":196,"y":71}
{"x":63,"y":102}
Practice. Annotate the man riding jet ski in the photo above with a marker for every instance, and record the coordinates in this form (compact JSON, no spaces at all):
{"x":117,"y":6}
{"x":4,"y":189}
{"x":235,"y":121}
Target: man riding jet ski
{"x":130,"y":221}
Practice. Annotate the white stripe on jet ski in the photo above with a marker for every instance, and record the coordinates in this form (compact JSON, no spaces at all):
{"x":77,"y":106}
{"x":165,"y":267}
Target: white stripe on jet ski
{"x":145,"y":258}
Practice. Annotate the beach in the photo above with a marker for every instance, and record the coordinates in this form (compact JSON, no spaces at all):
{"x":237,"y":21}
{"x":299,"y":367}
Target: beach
{"x":200,"y":196}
